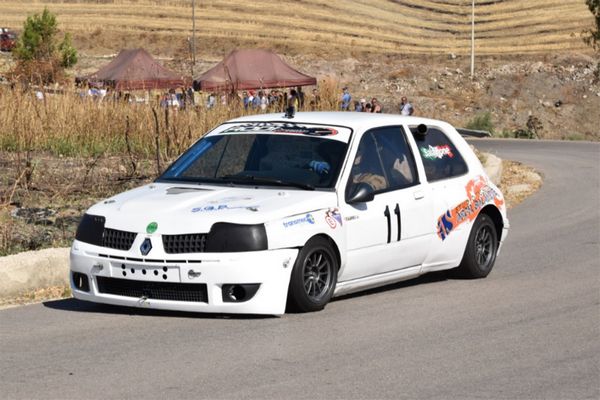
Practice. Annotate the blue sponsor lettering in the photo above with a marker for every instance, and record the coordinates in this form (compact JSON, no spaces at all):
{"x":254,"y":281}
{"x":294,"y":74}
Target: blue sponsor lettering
{"x":308,"y":218}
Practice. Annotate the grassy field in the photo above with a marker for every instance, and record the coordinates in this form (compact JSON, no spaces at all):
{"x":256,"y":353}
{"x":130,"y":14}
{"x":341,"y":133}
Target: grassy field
{"x":319,"y":27}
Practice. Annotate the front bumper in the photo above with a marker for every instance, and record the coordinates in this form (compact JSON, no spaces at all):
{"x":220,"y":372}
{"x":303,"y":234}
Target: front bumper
{"x":271,"y":269}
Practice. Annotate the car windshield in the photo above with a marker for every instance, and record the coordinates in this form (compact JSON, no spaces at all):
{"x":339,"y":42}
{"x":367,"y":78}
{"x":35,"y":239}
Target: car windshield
{"x":272,"y":159}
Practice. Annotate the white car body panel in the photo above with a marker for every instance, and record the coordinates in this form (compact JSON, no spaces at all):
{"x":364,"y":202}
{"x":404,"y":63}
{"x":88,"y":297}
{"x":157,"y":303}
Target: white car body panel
{"x":370,"y":253}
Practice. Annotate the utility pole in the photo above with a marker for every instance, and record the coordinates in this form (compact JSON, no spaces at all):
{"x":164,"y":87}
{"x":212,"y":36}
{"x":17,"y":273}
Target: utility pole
{"x":193,"y":36}
{"x":472,"y":39}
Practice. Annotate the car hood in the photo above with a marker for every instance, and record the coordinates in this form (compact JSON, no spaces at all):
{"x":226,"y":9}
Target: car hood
{"x":182,"y":208}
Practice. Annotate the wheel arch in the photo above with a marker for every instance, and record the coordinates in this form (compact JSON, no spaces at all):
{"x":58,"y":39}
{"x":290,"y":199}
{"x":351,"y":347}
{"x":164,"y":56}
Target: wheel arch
{"x":496,"y":217}
{"x":333,"y":244}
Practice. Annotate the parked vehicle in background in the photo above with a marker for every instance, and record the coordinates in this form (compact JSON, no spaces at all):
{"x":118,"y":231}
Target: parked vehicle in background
{"x":8,"y":39}
{"x":268,"y":210}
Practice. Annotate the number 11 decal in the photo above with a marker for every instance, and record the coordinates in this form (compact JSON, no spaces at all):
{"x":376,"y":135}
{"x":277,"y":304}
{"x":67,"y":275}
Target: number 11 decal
{"x":389,"y":223}
{"x":388,"y":217}
{"x":397,"y":212}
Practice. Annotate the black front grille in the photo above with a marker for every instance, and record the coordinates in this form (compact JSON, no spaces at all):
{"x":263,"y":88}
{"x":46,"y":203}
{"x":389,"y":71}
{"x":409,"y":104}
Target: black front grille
{"x":192,"y":292}
{"x":115,"y":239}
{"x":190,"y":243}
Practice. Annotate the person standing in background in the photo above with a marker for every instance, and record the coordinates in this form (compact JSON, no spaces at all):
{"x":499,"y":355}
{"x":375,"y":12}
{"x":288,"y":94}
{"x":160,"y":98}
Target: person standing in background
{"x":345,"y":99}
{"x":405,"y":107}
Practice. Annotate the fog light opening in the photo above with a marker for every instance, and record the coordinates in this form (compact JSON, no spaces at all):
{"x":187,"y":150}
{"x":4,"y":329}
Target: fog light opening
{"x":239,"y":293}
{"x":81,"y":282}
{"x":236,"y":293}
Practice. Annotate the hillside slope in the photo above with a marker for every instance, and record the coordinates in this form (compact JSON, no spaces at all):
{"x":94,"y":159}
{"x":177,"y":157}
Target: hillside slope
{"x":316,"y":26}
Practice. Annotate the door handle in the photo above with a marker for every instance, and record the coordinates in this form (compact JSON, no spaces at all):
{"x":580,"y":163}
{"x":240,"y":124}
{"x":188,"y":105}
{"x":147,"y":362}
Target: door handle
{"x":419,"y":194}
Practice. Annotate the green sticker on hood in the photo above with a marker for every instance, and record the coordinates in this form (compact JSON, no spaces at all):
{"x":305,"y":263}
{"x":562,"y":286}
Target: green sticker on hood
{"x":152,"y":227}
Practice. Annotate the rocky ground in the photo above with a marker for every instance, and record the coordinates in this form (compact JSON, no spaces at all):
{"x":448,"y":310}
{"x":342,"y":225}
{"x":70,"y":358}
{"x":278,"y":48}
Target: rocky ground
{"x":558,"y":95}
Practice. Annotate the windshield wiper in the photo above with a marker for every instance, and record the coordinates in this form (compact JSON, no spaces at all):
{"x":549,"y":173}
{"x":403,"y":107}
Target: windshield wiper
{"x":266,"y":180}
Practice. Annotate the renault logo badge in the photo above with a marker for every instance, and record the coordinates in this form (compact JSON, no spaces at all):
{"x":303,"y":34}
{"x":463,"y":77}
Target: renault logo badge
{"x":146,"y":247}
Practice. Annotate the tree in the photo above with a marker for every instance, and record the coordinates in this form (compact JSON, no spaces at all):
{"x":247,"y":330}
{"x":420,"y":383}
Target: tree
{"x":41,"y":57}
{"x":592,"y":37}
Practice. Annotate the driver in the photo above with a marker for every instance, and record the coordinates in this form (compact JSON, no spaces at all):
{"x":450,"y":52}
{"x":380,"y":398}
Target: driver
{"x":362,"y":172}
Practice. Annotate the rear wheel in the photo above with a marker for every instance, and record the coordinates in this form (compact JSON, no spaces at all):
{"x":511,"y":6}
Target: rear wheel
{"x":314,"y":277}
{"x":480,"y":254}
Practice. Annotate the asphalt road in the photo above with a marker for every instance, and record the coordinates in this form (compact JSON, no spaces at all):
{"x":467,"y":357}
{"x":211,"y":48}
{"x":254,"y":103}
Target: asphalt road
{"x":530,"y":330}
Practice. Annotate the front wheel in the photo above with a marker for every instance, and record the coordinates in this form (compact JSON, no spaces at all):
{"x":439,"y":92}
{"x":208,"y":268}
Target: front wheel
{"x":482,"y":246}
{"x":314,"y":277}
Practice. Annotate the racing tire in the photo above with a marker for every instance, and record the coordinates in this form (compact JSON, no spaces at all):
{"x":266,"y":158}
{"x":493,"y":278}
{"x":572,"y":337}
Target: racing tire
{"x":482,"y":247}
{"x":313,"y":278}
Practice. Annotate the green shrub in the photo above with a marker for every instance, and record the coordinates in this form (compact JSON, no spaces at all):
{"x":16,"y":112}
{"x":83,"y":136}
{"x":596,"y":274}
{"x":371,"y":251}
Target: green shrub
{"x":482,"y":122}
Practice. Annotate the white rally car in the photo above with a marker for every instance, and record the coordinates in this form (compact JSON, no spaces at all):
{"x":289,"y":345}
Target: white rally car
{"x":268,"y":211}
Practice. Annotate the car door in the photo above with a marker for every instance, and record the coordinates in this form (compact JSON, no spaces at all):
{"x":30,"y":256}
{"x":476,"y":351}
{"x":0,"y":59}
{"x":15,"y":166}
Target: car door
{"x":447,"y":174}
{"x":390,"y":228}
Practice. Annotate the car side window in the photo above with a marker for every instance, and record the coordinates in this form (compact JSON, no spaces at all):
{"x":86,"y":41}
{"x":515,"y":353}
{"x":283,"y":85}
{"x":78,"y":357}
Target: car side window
{"x":397,"y":159}
{"x":366,"y":167}
{"x":440,"y":157}
{"x":383,"y":161}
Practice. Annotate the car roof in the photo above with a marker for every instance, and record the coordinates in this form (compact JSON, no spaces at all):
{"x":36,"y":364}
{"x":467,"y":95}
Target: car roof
{"x":354,"y":120}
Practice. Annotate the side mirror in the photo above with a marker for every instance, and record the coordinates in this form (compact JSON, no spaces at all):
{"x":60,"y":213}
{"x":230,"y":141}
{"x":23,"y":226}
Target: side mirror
{"x":362,"y":193}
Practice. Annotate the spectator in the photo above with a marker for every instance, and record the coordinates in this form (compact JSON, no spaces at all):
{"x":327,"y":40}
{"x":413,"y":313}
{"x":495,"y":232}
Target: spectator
{"x":211,"y":101}
{"x":358,"y":106}
{"x":189,"y":96}
{"x":255,"y":100}
{"x":376,"y":106}
{"x":251,"y":98}
{"x":346,"y":99}
{"x":368,"y":107}
{"x":293,"y":100}
{"x":406,"y":108}
{"x":300,"y":97}
{"x":263,"y":100}
{"x":245,"y":99}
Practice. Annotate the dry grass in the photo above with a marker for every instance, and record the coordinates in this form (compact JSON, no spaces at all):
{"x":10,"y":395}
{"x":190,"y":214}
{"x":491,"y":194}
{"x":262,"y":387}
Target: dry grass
{"x":294,"y":27}
{"x":66,"y":124}
{"x":36,"y":296}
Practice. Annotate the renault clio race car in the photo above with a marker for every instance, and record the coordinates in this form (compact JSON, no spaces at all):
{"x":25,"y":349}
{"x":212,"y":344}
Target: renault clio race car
{"x":267,"y":211}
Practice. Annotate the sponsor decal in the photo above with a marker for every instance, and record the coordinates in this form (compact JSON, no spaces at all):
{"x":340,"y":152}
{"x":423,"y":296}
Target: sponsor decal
{"x":333,"y":218}
{"x":230,"y":199}
{"x":304,"y":219}
{"x":152,"y":227}
{"x":281,"y":128}
{"x":436,"y":152}
{"x":479,"y":193}
{"x":351,"y":218}
{"x":222,"y":207}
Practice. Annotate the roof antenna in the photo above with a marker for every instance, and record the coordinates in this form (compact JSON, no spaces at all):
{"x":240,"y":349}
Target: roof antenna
{"x":289,"y":112}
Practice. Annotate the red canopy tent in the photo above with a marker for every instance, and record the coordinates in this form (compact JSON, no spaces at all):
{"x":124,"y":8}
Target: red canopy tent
{"x":135,"y":69}
{"x":251,"y":69}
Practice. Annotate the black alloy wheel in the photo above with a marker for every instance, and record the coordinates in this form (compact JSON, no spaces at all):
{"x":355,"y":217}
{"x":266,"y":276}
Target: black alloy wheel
{"x":314,"y":276}
{"x":482,"y":246}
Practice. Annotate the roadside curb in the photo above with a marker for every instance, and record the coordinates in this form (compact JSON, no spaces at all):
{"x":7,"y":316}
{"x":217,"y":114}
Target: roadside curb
{"x":493,"y":168}
{"x":32,"y":270}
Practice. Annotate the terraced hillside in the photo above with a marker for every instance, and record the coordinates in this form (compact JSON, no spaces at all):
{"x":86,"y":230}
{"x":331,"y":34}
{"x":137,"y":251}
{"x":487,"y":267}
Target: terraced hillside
{"x":328,"y":27}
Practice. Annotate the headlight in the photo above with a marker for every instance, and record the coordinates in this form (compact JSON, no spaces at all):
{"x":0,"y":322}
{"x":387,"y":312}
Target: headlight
{"x":90,"y":229}
{"x":225,"y":237}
